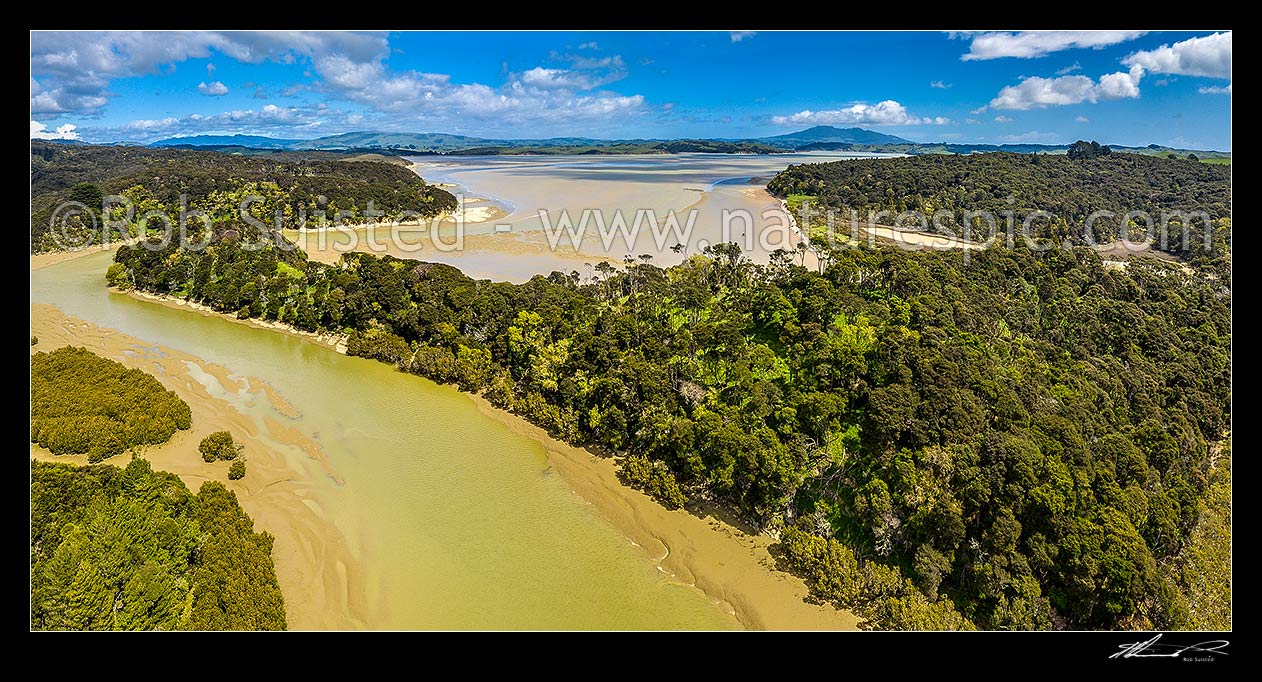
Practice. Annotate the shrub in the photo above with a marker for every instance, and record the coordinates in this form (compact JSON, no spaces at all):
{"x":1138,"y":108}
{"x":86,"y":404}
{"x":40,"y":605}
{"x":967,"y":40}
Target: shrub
{"x":117,"y":276}
{"x":218,"y":445}
{"x":379,"y":344}
{"x":655,"y":479}
{"x":437,"y":364}
{"x":82,"y":403}
{"x":237,"y":470}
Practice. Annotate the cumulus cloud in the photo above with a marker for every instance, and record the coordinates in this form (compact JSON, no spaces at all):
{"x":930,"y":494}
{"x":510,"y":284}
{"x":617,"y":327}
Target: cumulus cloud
{"x":888,"y":112}
{"x":71,"y":74}
{"x":47,"y":100}
{"x":1002,"y":119}
{"x":1069,"y":69}
{"x":1214,"y":90}
{"x":1082,"y":119}
{"x":269,"y":119}
{"x":1120,"y":85}
{"x":591,"y":45}
{"x":939,"y":85}
{"x":1030,"y":44}
{"x":738,"y":36}
{"x":573,"y":79}
{"x":453,"y":108}
{"x":63,"y":132}
{"x":1208,"y":56}
{"x":72,"y":71}
{"x":212,"y":89}
{"x":1036,"y":92}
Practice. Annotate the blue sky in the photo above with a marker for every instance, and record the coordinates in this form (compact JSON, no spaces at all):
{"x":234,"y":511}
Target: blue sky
{"x":1119,"y":87}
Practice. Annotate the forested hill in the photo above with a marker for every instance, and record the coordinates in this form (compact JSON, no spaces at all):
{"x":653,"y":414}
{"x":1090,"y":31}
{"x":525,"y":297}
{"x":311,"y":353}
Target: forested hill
{"x":214,"y":182}
{"x":1071,"y":189}
{"x":1008,"y":439}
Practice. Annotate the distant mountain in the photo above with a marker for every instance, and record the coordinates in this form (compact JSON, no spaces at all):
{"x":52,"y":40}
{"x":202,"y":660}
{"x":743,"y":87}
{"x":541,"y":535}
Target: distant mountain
{"x":252,"y":141}
{"x":818,"y":138}
{"x":831,"y":134}
{"x":429,"y":142}
{"x":448,"y":142}
{"x":445,"y":142}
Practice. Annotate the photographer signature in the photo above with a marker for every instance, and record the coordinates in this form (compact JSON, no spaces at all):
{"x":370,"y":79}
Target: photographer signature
{"x":1153,"y":649}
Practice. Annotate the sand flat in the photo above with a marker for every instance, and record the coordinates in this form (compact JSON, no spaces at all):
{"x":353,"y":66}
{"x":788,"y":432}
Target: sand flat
{"x":728,"y":564}
{"x":311,"y":555}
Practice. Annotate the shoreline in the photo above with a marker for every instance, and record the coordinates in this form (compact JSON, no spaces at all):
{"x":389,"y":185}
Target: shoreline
{"x":328,"y":340}
{"x":731,"y":567}
{"x":319,"y":574}
{"x":469,"y":215}
{"x":47,"y":258}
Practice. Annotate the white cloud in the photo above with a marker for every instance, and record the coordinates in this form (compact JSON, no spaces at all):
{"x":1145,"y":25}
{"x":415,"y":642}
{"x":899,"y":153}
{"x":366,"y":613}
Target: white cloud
{"x":71,"y":71}
{"x":1214,"y":90}
{"x":1082,"y":119}
{"x":587,"y":75}
{"x":939,"y":85}
{"x":51,"y":101}
{"x":71,"y":74}
{"x":592,"y":45}
{"x":738,"y":36}
{"x":1069,"y":69}
{"x":1002,"y":119}
{"x":1120,"y":85}
{"x":1208,"y":56}
{"x":63,"y":132}
{"x":971,"y":121}
{"x":268,"y":120}
{"x":1030,"y":44}
{"x":888,"y":112}
{"x":213,"y":89}
{"x":1041,"y":92}
{"x":555,"y":78}
{"x":1036,"y":92}
{"x":210,"y":70}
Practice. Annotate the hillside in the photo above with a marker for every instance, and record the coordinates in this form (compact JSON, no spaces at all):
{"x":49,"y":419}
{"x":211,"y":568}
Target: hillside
{"x":818,"y":138}
{"x":434,"y":142}
{"x":921,"y":148}
{"x":1069,"y":189}
{"x":155,"y":179}
{"x":1020,"y":440}
{"x":249,"y":141}
{"x":820,"y":134}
